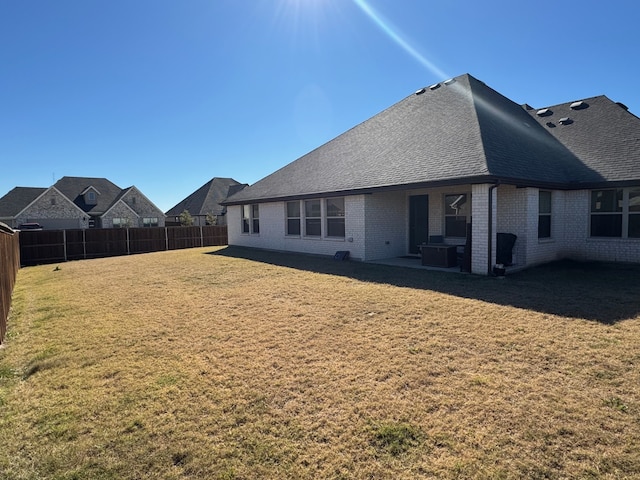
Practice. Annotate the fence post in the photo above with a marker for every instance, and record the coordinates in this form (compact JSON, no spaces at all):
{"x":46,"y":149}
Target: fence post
{"x":201,"y":237}
{"x":84,"y":243}
{"x":166,"y":238}
{"x":64,"y":243}
{"x":128,"y":249}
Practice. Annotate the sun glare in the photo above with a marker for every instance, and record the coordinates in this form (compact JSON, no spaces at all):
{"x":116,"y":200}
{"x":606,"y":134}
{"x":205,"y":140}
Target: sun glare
{"x":394,"y":35}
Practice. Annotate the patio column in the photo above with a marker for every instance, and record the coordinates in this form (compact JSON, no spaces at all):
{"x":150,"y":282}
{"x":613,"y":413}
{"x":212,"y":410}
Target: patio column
{"x":480,"y":227}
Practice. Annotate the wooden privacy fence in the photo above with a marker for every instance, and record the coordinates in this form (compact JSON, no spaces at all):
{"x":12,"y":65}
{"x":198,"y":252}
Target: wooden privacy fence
{"x":51,"y":246}
{"x":9,"y":265}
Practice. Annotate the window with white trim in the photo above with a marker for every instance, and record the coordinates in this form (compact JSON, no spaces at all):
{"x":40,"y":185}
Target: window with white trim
{"x":293,"y":218}
{"x":634,"y":213}
{"x":255,"y":218}
{"x":615,"y":213}
{"x":544,"y":214}
{"x":312,"y":218}
{"x":250,"y":218}
{"x":150,"y":222}
{"x":456,"y":215}
{"x":606,"y":213}
{"x":246,"y":216}
{"x":334,"y":208}
{"x":120,"y":222}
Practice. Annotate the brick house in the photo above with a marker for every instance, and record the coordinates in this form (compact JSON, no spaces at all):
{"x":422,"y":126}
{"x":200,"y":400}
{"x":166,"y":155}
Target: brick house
{"x":458,"y":163}
{"x":80,"y":202}
{"x":204,"y":204}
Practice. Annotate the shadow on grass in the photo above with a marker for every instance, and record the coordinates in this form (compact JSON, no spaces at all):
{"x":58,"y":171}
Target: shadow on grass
{"x":606,"y":293}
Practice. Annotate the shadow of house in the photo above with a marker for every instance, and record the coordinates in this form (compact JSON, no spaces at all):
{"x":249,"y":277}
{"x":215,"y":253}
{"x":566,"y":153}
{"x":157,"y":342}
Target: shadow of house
{"x":601,"y":292}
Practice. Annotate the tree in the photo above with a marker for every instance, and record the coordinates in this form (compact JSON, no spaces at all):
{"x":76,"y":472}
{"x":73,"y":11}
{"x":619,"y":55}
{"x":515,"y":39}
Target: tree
{"x":212,"y":219}
{"x":186,"y":220}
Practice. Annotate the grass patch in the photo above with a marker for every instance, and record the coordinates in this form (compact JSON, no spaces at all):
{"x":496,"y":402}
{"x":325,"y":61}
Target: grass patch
{"x":236,"y":364}
{"x":395,"y":438}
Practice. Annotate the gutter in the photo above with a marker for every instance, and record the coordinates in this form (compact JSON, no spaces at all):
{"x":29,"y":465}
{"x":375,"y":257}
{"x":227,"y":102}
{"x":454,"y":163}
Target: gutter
{"x":490,"y":239}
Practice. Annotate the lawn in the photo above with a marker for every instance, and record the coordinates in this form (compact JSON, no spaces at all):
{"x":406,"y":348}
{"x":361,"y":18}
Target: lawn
{"x":224,"y":363}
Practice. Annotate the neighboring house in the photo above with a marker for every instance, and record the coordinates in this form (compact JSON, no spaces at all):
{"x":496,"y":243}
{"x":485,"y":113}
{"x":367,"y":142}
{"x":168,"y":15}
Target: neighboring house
{"x":565,"y":180}
{"x":79,"y":202}
{"x":204,"y":204}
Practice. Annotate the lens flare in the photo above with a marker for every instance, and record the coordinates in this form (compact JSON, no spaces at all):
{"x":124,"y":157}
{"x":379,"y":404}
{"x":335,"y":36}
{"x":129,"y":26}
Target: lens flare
{"x":391,"y":32}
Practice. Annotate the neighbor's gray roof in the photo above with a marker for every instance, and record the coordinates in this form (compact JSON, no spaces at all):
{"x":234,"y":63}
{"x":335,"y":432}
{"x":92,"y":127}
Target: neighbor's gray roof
{"x":600,"y":132}
{"x":17,"y":199}
{"x":207,"y":198}
{"x":461,"y":131}
{"x":72,"y":188}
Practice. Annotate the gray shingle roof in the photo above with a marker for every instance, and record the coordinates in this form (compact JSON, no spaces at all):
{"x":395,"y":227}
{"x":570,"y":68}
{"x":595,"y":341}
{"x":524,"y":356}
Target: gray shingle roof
{"x":207,"y":198}
{"x":17,"y":199}
{"x":72,"y":188}
{"x":601,"y":133}
{"x":460,"y":132}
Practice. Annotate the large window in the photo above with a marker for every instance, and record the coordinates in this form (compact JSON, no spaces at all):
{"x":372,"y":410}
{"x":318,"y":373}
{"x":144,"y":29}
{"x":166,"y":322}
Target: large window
{"x":150,"y":222}
{"x":544,"y":214}
{"x":335,"y":217}
{"x":313,"y":218}
{"x":606,"y":213}
{"x":615,"y":213}
{"x":251,"y":218}
{"x":120,"y":223}
{"x":634,"y":213}
{"x":293,"y":218}
{"x":456,"y":215}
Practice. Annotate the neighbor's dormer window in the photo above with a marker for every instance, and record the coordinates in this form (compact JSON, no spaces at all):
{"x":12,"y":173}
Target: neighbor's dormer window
{"x":90,"y":198}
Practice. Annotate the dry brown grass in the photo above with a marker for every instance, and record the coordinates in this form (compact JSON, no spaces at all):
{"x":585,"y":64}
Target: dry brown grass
{"x":232,"y":364}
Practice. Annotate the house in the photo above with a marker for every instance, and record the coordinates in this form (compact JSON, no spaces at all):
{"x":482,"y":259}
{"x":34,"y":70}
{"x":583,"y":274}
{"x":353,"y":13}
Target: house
{"x":204,"y":204}
{"x":80,"y":202}
{"x":452,"y":158}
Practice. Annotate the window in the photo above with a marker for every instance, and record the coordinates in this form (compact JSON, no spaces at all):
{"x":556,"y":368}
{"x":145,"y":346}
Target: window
{"x":120,"y":222}
{"x":335,"y":217}
{"x":246,"y":215}
{"x":606,"y":213}
{"x":293,"y":218}
{"x":456,"y":212}
{"x":634,"y":213}
{"x":53,"y":200}
{"x":150,"y":222}
{"x":544,"y":214}
{"x":251,"y":218}
{"x":255,"y":218}
{"x":313,"y":218}
{"x":90,"y":198}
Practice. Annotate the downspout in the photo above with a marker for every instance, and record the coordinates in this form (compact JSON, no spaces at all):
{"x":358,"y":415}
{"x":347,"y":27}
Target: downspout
{"x":490,"y":229}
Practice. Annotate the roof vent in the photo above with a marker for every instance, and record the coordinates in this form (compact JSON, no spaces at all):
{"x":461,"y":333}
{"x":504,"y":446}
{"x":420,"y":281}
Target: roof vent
{"x":545,"y":112}
{"x":565,"y":121}
{"x":579,"y":105}
{"x":421,"y":91}
{"x":551,"y":125}
{"x":622,"y":105}
{"x":435,"y":86}
{"x":451,"y":81}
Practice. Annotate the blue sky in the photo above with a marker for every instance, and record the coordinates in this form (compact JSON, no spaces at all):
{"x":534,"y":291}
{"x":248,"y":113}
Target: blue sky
{"x":167,"y":94}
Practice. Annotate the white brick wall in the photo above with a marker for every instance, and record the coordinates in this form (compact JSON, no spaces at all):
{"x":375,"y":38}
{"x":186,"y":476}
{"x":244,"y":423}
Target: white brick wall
{"x":570,"y":237}
{"x":579,"y":245}
{"x":272,"y":231}
{"x":480,"y":228}
{"x":386,"y":225}
{"x":378,"y":224}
